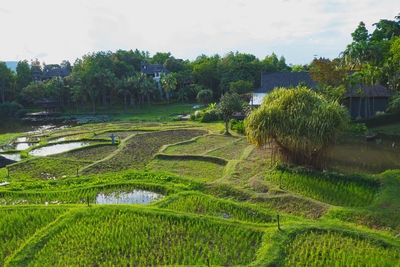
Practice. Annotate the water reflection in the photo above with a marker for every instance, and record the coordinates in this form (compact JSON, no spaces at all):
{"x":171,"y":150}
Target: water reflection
{"x":58,"y":148}
{"x":358,"y":155}
{"x":136,"y":196}
{"x":15,"y":157}
{"x":17,"y":146}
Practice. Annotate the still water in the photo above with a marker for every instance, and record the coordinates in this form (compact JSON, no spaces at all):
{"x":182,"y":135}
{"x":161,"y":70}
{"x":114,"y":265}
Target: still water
{"x":137,"y":196}
{"x":58,"y":148}
{"x":355,"y":154}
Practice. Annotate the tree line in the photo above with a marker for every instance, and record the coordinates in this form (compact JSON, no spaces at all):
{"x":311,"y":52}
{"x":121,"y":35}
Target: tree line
{"x":109,"y":78}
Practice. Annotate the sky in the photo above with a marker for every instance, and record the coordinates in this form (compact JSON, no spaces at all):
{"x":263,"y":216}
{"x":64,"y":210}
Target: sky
{"x":54,"y":30}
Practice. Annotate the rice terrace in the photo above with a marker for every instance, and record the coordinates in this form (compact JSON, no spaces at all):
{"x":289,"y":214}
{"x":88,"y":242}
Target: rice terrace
{"x":132,"y":158}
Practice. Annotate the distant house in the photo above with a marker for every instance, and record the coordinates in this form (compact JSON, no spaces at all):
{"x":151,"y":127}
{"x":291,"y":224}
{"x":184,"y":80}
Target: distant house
{"x":153,"y":70}
{"x":49,"y":72}
{"x":361,"y":101}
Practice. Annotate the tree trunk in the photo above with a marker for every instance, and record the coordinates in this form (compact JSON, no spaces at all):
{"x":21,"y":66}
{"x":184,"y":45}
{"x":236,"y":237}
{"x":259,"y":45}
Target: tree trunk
{"x":132,"y":101}
{"x":227,"y":128}
{"x":167,"y":96}
{"x":148,"y":100}
{"x":125,"y":103}
{"x":94,"y":105}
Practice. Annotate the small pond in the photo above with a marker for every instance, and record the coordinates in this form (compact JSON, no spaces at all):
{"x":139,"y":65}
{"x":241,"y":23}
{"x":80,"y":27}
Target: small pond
{"x":17,"y":146}
{"x":15,"y":157}
{"x":58,"y":148}
{"x":136,"y":196}
{"x":355,"y":154}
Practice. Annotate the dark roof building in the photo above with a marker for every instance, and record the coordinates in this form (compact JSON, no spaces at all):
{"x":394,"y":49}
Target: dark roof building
{"x":55,"y":72}
{"x":269,"y":81}
{"x":49,"y":72}
{"x":153,"y":70}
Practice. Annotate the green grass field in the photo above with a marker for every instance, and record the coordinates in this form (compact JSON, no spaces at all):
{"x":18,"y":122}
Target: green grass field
{"x":220,"y":203}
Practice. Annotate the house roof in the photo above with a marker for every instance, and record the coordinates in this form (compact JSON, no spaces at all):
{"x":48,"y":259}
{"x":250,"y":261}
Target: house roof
{"x":377,"y":90}
{"x":147,"y":68}
{"x":269,"y":81}
{"x":56,"y":72}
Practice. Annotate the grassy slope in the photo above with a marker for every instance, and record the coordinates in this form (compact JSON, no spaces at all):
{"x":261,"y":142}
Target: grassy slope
{"x":243,"y":178}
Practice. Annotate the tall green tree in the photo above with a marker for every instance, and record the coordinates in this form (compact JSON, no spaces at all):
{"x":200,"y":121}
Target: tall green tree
{"x":229,"y":104}
{"x":6,"y":81}
{"x":168,"y":83}
{"x":24,"y":75}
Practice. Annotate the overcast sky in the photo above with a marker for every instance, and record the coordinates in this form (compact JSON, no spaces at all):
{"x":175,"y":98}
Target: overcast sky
{"x":53,"y":30}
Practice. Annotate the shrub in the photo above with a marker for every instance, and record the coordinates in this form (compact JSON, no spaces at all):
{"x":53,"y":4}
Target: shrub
{"x":210,"y":116}
{"x":237,"y":126}
{"x":204,"y":96}
{"x":358,"y":129}
{"x":11,"y":109}
{"x":198,"y":114}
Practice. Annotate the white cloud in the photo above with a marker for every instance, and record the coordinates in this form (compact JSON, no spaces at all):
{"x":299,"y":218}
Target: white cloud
{"x":53,"y":30}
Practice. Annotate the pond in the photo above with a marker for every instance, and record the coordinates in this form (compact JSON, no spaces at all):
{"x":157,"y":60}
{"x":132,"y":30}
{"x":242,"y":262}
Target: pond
{"x":17,"y":146}
{"x":58,"y":148}
{"x":355,"y":154}
{"x":15,"y":157}
{"x":137,"y":196}
{"x":31,"y":127}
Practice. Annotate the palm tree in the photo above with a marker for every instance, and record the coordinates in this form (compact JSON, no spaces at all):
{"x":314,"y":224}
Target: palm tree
{"x":124,"y":89}
{"x":148,"y":86}
{"x":168,"y":83}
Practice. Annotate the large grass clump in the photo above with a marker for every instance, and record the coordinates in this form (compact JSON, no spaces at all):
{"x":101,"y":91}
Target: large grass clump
{"x":299,"y":121}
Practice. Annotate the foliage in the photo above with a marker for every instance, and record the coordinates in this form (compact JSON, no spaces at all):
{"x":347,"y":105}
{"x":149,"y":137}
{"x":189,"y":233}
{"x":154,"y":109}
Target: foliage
{"x":358,"y":129}
{"x":301,"y":123}
{"x":237,"y":126}
{"x":241,"y":87}
{"x":204,"y":96}
{"x":229,"y":103}
{"x":11,"y":109}
{"x":328,"y":72}
{"x":394,"y":105}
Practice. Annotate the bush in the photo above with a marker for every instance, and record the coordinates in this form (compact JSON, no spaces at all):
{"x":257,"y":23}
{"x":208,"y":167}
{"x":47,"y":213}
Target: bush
{"x":394,"y":105}
{"x":204,"y":96}
{"x":198,"y":114}
{"x":11,"y":109}
{"x":210,"y":116}
{"x":237,"y":126}
{"x":358,"y":129}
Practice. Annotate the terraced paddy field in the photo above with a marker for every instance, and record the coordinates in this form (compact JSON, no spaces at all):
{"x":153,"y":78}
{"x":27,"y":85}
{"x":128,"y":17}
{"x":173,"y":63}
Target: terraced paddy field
{"x":182,"y":193}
